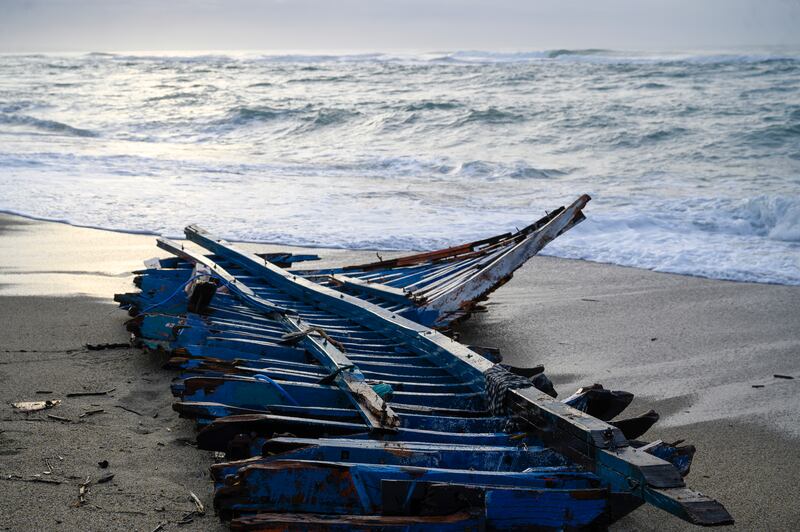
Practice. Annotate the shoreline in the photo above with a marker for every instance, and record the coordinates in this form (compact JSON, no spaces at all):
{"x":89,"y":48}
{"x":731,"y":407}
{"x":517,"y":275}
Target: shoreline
{"x":7,"y":216}
{"x":689,"y":347}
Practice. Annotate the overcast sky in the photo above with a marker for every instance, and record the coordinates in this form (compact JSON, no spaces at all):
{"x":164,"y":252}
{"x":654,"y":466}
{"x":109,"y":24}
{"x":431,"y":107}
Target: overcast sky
{"x":424,"y":25}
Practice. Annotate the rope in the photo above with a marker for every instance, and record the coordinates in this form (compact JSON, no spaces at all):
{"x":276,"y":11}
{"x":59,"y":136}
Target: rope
{"x":329,"y":378}
{"x":498,"y":381}
{"x":173,"y":294}
{"x":280,"y":389}
{"x":294,"y":337}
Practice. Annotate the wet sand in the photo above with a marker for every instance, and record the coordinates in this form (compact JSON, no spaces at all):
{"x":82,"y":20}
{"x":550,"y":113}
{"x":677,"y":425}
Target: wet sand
{"x":690,"y":348}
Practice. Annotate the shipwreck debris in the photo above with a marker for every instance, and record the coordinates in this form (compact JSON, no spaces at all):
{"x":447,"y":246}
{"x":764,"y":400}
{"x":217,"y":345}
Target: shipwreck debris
{"x":127,"y":409}
{"x":87,"y":394}
{"x":101,"y":347}
{"x":35,"y":406}
{"x":439,"y":288}
{"x":199,"y":508}
{"x":371,"y":417}
{"x":83,"y":492}
{"x":34,"y":478}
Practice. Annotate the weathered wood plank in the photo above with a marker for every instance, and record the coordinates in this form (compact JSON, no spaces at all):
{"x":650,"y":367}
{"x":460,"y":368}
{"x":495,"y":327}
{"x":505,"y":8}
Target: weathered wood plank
{"x":382,"y":291}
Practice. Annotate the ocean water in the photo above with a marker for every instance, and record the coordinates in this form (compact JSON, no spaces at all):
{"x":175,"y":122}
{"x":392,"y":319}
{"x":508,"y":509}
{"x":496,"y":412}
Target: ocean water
{"x":692,"y":160}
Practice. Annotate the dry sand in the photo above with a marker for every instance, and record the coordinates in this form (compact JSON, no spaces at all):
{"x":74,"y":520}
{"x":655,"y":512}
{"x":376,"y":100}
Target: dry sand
{"x":690,"y":348}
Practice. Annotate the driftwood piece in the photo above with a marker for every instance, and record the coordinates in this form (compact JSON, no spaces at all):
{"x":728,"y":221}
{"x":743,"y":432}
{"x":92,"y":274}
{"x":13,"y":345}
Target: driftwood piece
{"x":100,"y":347}
{"x":31,"y":479}
{"x":131,"y":410}
{"x":83,"y":492}
{"x":201,"y":510}
{"x":83,"y":394}
{"x":35,"y":406}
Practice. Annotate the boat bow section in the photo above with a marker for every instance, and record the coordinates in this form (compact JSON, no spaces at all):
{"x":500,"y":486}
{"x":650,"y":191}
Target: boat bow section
{"x":339,"y":413}
{"x":438,"y":288}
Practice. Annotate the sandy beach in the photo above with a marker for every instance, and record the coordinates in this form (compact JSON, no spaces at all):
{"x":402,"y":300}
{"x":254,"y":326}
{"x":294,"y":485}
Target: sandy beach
{"x":693,"y":349}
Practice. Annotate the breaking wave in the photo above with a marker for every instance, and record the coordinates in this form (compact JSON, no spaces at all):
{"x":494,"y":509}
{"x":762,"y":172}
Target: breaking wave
{"x":50,"y":126}
{"x":519,"y":170}
{"x":693,"y":160}
{"x":775,"y":217}
{"x":304,"y":119}
{"x":490,"y":115}
{"x":432,"y":106}
{"x":755,"y":239}
{"x":243,"y":115}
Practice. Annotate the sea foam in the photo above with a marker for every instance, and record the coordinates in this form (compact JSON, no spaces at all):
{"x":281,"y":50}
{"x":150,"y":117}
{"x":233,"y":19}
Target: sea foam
{"x":692,"y":160}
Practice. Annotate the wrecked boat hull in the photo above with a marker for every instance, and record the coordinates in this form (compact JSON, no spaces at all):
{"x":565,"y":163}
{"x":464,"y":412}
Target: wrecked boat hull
{"x":348,"y":414}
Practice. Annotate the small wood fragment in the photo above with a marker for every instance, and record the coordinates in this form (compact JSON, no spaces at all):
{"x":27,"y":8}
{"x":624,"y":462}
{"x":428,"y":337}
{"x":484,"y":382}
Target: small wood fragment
{"x":92,"y":412}
{"x":35,"y":406}
{"x":100,"y":347}
{"x":188,"y":518}
{"x":201,"y":510}
{"x":779,"y":376}
{"x":83,"y":490}
{"x":59,"y":418}
{"x":82,"y":394}
{"x":130,"y":512}
{"x":44,"y":480}
{"x":131,"y":410}
{"x":32,"y":479}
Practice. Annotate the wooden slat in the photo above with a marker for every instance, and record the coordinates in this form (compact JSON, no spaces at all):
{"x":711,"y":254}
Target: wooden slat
{"x":382,"y":291}
{"x":429,"y":255}
{"x":375,"y":411}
